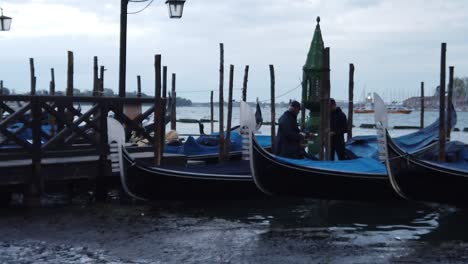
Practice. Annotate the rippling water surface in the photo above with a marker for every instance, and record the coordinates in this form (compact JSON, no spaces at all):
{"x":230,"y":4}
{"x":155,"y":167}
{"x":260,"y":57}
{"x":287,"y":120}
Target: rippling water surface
{"x":270,"y":230}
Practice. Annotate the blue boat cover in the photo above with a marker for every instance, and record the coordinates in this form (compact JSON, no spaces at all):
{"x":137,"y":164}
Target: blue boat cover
{"x":204,"y":145}
{"x":360,"y":165}
{"x":456,"y":156}
{"x":366,"y":146}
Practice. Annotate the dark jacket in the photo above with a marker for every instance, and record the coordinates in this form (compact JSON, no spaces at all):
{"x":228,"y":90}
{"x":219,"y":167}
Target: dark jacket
{"x":288,"y":139}
{"x":338,"y":122}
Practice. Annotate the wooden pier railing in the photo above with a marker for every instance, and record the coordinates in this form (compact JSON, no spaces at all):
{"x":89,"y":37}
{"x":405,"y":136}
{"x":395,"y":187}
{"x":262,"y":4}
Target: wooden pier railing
{"x":51,"y":134}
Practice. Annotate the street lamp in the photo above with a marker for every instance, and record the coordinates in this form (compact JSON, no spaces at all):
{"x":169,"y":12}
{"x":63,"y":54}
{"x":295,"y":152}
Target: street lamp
{"x":176,"y":8}
{"x":5,"y":22}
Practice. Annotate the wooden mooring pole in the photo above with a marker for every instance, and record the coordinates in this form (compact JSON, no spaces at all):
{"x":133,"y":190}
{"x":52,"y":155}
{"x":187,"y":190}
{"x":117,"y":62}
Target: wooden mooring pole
{"x":101,"y":81}
{"x":70,"y":70}
{"x":442,"y":126}
{"x":449,"y":101}
{"x":138,"y":86}
{"x":52,"y":82}
{"x":244,"y":84}
{"x":164,"y":82}
{"x":173,"y":103}
{"x":422,"y":104}
{"x":95,"y":77}
{"x":273,"y":117}
{"x":229,"y":113}
{"x":158,"y":113}
{"x":212,"y":112}
{"x":52,"y":120}
{"x":350,"y":101}
{"x":33,"y":76}
{"x":222,"y":156}
{"x":325,"y":144}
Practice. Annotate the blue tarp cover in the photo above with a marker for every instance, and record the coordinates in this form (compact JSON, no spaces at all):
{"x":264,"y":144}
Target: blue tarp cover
{"x":366,"y":146}
{"x":360,"y":165}
{"x":456,"y":156}
{"x":199,"y":146}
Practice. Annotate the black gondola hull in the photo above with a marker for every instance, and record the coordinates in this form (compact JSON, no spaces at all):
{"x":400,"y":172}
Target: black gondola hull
{"x":277,"y":178}
{"x":151,"y":182}
{"x":417,"y":179}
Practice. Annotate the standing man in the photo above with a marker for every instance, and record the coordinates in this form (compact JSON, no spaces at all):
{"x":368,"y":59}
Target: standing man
{"x":289,"y":137}
{"x":338,"y":127}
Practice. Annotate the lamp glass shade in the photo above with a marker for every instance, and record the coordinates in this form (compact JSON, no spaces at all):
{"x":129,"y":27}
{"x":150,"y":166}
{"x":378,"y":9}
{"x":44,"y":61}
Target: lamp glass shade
{"x":176,"y":8}
{"x":5,"y":23}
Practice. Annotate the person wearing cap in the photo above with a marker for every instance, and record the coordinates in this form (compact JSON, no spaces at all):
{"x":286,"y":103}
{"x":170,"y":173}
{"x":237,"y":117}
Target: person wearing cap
{"x":338,"y":127}
{"x":289,"y":137}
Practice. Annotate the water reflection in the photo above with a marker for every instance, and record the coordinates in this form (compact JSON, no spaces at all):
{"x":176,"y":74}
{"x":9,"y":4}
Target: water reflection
{"x":356,"y":222}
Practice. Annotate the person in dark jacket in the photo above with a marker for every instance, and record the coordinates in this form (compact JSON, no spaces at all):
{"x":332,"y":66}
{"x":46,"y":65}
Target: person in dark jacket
{"x":289,"y":137}
{"x":338,"y":127}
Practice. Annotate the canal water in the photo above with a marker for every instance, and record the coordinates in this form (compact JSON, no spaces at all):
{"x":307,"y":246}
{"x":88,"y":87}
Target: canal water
{"x":265,"y":230}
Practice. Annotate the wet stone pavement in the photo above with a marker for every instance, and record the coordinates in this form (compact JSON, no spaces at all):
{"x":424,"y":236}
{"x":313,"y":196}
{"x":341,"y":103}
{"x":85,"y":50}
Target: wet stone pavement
{"x":268,"y":230}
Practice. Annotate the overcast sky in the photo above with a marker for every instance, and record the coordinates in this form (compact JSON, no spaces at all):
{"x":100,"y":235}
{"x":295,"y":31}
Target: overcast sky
{"x":394,"y":45}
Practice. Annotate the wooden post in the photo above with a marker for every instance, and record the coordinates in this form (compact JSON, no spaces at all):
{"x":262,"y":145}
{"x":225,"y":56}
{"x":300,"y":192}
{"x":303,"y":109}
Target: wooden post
{"x":351,"y":101}
{"x":244,"y":86}
{"x":138,"y":86}
{"x":212,"y":112}
{"x":442,"y":125}
{"x":33,"y":76}
{"x":162,"y":126}
{"x":325,"y":140}
{"x":273,"y":117}
{"x":95,"y":77}
{"x":103,"y":153}
{"x":422,"y":104}
{"x":449,"y":102}
{"x":173,"y":103}
{"x":70,"y":74}
{"x":52,"y":122}
{"x":164,"y":82}
{"x":157,"y":108}
{"x":222,"y":157}
{"x":52,"y":82}
{"x":101,"y":81}
{"x":229,"y":114}
{"x":36,"y":184}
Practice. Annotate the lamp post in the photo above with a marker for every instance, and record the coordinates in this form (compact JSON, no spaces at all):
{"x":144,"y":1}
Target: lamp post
{"x":5,"y":22}
{"x":176,"y":7}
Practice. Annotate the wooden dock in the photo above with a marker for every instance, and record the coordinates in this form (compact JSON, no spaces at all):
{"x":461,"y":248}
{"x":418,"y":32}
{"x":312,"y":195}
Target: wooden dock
{"x":75,"y":147}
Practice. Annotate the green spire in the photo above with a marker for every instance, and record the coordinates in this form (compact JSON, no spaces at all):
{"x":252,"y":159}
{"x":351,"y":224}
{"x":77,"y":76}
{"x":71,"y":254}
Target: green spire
{"x":314,"y":57}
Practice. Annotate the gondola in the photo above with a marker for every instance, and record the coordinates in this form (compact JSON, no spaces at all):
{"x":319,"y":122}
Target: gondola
{"x":358,"y":179}
{"x":179,"y":178}
{"x":419,"y":176}
{"x":143,"y":180}
{"x":362,"y":178}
